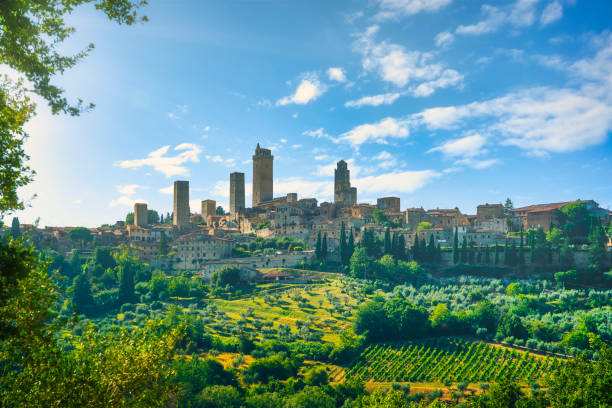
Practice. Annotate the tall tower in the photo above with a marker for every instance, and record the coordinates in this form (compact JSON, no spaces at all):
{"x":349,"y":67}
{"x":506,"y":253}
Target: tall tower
{"x":140,"y":214}
{"x":263,"y":173}
{"x":236,"y":193}
{"x":343,"y":192}
{"x":181,"y":204}
{"x":209,"y":207}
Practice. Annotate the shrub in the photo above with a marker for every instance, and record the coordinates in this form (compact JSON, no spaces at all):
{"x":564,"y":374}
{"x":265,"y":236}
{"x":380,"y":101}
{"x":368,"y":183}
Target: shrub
{"x":127,"y":307}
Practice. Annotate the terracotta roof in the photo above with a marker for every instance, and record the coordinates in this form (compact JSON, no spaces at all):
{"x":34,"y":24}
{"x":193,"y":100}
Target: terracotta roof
{"x":543,"y":207}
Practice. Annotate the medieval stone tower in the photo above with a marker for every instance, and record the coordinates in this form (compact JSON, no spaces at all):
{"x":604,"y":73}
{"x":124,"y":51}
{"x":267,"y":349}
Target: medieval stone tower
{"x":263,"y":173}
{"x":181,"y":204}
{"x":236,"y":193}
{"x":344,"y":194}
{"x":140,"y":214}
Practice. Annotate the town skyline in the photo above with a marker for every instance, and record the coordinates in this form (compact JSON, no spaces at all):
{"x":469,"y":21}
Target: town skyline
{"x":443,"y":106}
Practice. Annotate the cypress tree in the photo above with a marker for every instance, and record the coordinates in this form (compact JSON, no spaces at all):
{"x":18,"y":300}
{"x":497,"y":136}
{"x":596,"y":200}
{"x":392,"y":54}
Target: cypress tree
{"x":324,"y":246}
{"x":506,"y":259}
{"x":75,"y":263}
{"x":387,"y":241}
{"x":438,"y":254}
{"x":394,"y":245}
{"x":15,"y":228}
{"x":163,"y":244}
{"x":342,"y":247}
{"x":415,"y":249}
{"x":456,"y":246}
{"x":126,"y":284}
{"x":531,"y":246}
{"x":423,"y":250}
{"x":82,"y":299}
{"x":521,"y":259}
{"x":401,"y":247}
{"x":487,"y":255}
{"x":431,"y":249}
{"x":318,"y":247}
{"x":479,"y":256}
{"x":464,"y":250}
{"x":350,"y":247}
{"x":496,"y":254}
{"x":471,"y":253}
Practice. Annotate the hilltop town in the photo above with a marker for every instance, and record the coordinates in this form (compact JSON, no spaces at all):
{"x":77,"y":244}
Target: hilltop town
{"x":211,"y":238}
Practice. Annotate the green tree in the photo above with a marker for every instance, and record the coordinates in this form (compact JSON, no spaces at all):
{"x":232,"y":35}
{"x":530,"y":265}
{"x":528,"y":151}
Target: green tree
{"x":80,"y":235}
{"x":360,"y":263}
{"x":401,"y":247}
{"x":416,"y":252}
{"x":566,"y":255}
{"x":424,"y":225}
{"x":75,"y":263}
{"x":521,"y":254}
{"x":372,"y":321}
{"x":496,"y":254}
{"x":310,"y":397}
{"x":15,"y":110}
{"x":163,"y":244}
{"x":82,"y":299}
{"x":577,"y":220}
{"x":594,"y":384}
{"x":220,"y":210}
{"x":455,"y":246}
{"x":487,"y":255}
{"x":324,"y":246}
{"x":387,"y":241}
{"x":379,"y":217}
{"x":344,"y":258}
{"x":316,"y":376}
{"x":318,"y":247}
{"x":227,"y":275}
{"x":152,"y":217}
{"x":597,"y":248}
{"x":15,"y":228}
{"x":350,"y":246}
{"x":129,"y":218}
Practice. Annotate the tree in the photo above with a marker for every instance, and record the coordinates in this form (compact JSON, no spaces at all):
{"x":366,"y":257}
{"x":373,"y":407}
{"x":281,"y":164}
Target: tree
{"x":371,"y":320}
{"x":350,"y":246}
{"x":15,"y":110}
{"x":416,"y":255}
{"x":163,"y":244}
{"x":316,"y":376}
{"x":104,"y":257}
{"x":431,"y":249}
{"x":379,"y":217}
{"x":593,"y":387}
{"x":15,"y":228}
{"x":566,"y":255}
{"x":344,"y":259}
{"x":318,"y":247}
{"x":360,"y":263}
{"x":521,"y":256}
{"x":401,"y":247}
{"x":424,"y":225}
{"x":126,"y":284}
{"x":129,"y":218}
{"x":496,"y":254}
{"x":597,"y":248}
{"x":227,"y":275}
{"x":464,"y":250}
{"x":324,"y":246}
{"x":152,"y":217}
{"x":75,"y":263}
{"x":387,"y":241}
{"x":81,"y":235}
{"x":82,"y":299}
{"x":220,"y":210}
{"x":577,"y":220}
{"x":508,"y":207}
{"x":487,"y":255}
{"x":456,"y":246}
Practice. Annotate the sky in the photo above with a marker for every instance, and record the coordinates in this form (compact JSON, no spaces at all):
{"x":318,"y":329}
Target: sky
{"x":443,"y":103}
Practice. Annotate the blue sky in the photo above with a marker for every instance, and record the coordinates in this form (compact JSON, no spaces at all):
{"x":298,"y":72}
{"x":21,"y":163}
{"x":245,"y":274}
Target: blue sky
{"x":443,"y":103}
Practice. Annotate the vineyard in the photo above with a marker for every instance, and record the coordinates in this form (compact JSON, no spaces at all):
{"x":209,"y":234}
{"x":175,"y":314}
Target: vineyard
{"x":447,"y":359}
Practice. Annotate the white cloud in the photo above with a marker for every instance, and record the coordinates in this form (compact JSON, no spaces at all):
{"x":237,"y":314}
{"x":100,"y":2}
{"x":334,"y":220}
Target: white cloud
{"x":374,"y":100}
{"x":297,"y":146}
{"x":552,"y":13}
{"x":167,"y":190}
{"x":444,"y":39}
{"x":336,"y":74}
{"x":467,"y":146}
{"x":379,"y":132}
{"x":207,"y":128}
{"x":521,"y":13}
{"x":321,"y":157}
{"x":318,"y":134}
{"x":295,"y":116}
{"x":384,"y":155}
{"x":169,"y":166}
{"x":400,"y":182}
{"x":308,"y":90}
{"x":129,"y":189}
{"x":231,"y":162}
{"x":126,"y":201}
{"x":77,"y":202}
{"x":393,"y":63}
{"x":477,"y":164}
{"x":395,"y":8}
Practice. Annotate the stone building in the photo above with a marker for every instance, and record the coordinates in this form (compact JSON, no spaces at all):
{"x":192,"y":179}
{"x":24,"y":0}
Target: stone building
{"x":209,"y":207}
{"x":391,"y":204}
{"x":489,"y":211}
{"x":181,"y":204}
{"x":195,"y":248}
{"x":140,"y":214}
{"x":344,"y":194}
{"x":236,"y":193}
{"x":263,"y":175}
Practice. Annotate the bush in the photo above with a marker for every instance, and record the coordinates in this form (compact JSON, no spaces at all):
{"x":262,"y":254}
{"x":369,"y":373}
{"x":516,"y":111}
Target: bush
{"x":127,"y":307}
{"x":156,"y":305}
